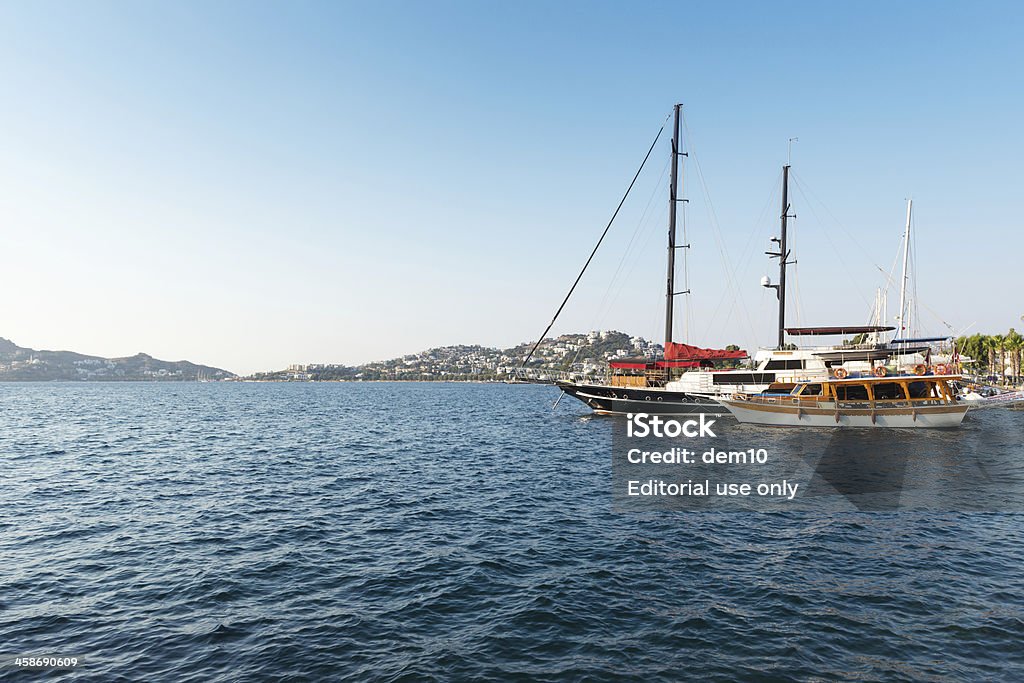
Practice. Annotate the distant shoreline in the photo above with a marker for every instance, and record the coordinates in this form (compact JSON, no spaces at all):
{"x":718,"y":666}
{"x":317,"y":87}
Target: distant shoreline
{"x":266,"y":381}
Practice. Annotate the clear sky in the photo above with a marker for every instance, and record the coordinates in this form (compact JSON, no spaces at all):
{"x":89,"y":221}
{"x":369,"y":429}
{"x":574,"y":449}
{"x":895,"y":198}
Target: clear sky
{"x":252,"y":184}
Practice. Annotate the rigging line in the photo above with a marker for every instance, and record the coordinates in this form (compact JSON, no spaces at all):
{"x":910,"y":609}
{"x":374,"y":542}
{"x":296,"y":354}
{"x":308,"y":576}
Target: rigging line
{"x":932,"y":310}
{"x":605,"y":305}
{"x":630,"y":267}
{"x":688,"y":311}
{"x":596,"y":247}
{"x":688,"y":297}
{"x":716,"y":231}
{"x":890,"y":277}
{"x":913,"y":258}
{"x":792,"y":246}
{"x":576,"y":356}
{"x":731,"y":284}
{"x":839,"y":254}
{"x":629,"y":275}
{"x":832,"y":215}
{"x":730,"y":277}
{"x":937,"y":316}
{"x":748,"y":254}
{"x":798,"y":304}
{"x":796,"y":297}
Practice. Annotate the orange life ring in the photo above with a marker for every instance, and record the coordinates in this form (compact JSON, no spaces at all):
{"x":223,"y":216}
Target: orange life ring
{"x":840,"y":373}
{"x":880,"y":371}
{"x":920,"y":369}
{"x":942,"y":369}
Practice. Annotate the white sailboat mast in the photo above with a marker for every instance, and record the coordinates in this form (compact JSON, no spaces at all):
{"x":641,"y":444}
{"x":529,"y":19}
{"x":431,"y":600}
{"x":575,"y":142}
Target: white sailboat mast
{"x":877,"y":316}
{"x":903,"y":329}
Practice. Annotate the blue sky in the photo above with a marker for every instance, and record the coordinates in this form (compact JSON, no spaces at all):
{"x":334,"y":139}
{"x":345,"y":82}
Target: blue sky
{"x":256,"y":184}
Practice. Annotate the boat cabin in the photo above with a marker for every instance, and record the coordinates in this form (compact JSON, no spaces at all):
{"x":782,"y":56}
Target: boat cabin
{"x":863,"y":401}
{"x":679,"y":358}
{"x":877,"y":391}
{"x":640,"y":372}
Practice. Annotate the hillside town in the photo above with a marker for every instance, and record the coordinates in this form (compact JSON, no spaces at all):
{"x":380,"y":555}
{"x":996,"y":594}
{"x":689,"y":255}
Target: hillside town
{"x":24,"y":364}
{"x":581,"y":353}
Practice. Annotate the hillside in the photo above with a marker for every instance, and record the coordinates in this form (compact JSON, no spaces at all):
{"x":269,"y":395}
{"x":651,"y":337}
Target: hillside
{"x":23,"y":364}
{"x":586,"y":353}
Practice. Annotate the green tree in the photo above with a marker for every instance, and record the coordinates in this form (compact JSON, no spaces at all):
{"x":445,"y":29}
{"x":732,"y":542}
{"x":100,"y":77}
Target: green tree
{"x":731,"y":363}
{"x":974,"y":347}
{"x":861,"y":338}
{"x":1014,"y":342}
{"x":995,"y":353}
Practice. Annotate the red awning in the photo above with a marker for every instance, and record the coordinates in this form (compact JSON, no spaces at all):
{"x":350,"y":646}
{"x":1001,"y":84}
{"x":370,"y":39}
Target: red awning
{"x":675,"y":351}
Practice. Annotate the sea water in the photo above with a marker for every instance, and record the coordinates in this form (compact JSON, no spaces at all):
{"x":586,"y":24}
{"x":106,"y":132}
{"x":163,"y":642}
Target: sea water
{"x":417,"y":532}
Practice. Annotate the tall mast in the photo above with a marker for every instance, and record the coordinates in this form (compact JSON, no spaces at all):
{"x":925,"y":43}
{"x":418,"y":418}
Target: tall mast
{"x":902,"y":331}
{"x":783,"y":254}
{"x":670,"y":292}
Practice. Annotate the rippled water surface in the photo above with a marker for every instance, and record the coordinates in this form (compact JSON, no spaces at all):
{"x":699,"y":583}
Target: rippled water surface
{"x":197,"y":532}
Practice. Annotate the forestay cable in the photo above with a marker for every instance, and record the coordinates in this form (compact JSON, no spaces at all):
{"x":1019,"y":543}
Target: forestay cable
{"x":596,"y":246}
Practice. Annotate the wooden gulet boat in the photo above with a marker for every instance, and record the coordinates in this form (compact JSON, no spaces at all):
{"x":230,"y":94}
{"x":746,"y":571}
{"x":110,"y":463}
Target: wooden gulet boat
{"x":912,"y":401}
{"x":650,"y":390}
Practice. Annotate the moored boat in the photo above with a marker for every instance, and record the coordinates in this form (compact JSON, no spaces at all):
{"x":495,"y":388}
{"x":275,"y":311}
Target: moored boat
{"x":686,"y":379}
{"x":691,"y":383}
{"x":911,"y":401}
{"x":649,"y":389}
{"x":643,"y":385}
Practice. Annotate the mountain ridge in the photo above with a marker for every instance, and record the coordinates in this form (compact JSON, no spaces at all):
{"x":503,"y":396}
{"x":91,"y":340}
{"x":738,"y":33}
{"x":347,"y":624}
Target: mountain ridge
{"x":19,"y":363}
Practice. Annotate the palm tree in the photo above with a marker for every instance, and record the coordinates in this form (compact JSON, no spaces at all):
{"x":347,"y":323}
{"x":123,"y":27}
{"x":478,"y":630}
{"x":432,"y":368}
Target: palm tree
{"x":994,"y":344}
{"x":1014,"y":343}
{"x":1002,"y":358}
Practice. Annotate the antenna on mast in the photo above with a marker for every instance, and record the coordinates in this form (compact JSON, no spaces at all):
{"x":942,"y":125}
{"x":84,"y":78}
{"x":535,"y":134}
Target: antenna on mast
{"x":789,"y":161}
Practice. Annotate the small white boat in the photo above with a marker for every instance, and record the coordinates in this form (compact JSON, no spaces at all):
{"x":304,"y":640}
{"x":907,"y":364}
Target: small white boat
{"x":918,"y":400}
{"x":983,"y":397}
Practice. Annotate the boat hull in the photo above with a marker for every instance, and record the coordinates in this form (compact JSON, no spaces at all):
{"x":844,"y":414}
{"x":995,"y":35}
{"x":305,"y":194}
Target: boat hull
{"x":608,"y":399}
{"x":792,"y":416}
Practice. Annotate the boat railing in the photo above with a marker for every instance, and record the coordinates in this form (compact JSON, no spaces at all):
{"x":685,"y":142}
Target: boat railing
{"x":549,"y":376}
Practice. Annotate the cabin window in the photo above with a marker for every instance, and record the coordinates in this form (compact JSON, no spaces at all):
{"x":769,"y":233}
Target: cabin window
{"x":919,"y":389}
{"x":888,"y":391}
{"x":851,"y":392}
{"x":784,"y":365}
{"x":811,"y":390}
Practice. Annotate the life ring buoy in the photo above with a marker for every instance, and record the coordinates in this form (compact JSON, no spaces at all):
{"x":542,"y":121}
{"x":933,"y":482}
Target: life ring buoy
{"x":920,"y":369}
{"x":942,"y":369}
{"x":880,"y":371}
{"x":841,"y":373}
